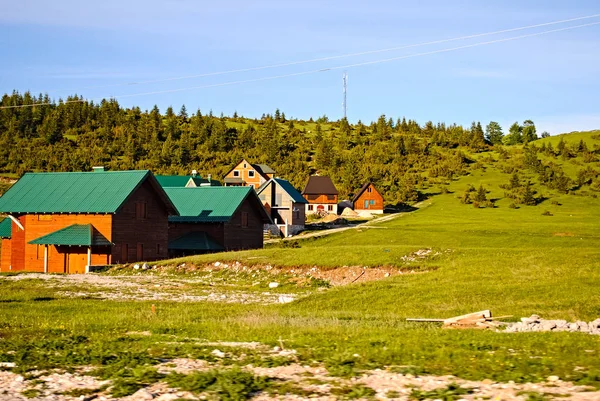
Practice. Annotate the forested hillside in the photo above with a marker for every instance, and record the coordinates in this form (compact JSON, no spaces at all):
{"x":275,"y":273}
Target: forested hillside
{"x":399,"y":155}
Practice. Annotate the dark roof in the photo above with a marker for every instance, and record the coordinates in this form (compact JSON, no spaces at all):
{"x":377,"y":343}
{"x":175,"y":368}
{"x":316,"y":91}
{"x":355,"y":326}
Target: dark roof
{"x":263,"y":169}
{"x":195,"y":241}
{"x":210,"y":204}
{"x":286,"y":186}
{"x":77,"y":192}
{"x":319,"y":185}
{"x":200,"y":182}
{"x":361,"y":190}
{"x":6,"y":228}
{"x":74,"y":235}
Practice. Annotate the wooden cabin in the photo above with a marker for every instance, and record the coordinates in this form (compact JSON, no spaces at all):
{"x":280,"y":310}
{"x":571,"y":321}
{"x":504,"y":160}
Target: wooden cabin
{"x":285,"y":205}
{"x":5,"y":236}
{"x":368,"y":200}
{"x":68,"y":222}
{"x":321,"y":194}
{"x":247,"y":174}
{"x":214,"y":219}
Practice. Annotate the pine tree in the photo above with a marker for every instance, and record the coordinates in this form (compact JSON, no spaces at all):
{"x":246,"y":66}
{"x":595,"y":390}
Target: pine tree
{"x":528,"y":131}
{"x":493,"y":133}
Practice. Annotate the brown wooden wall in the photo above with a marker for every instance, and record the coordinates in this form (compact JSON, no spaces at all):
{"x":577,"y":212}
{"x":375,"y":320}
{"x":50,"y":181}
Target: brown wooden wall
{"x":5,"y":256}
{"x":31,"y":257}
{"x":250,"y":237}
{"x":152,"y":232}
{"x":322,"y":199}
{"x":359,"y":204}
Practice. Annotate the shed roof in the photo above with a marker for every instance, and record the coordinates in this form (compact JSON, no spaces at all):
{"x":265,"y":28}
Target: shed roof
{"x":6,"y":228}
{"x":74,"y":235}
{"x":195,"y":241}
{"x":286,"y":186}
{"x":209,"y":204}
{"x":361,"y":190}
{"x":77,"y":192}
{"x":319,"y":185}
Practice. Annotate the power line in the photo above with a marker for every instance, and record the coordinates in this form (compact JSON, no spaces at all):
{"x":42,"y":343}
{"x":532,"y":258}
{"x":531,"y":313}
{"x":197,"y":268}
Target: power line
{"x":314,"y":60}
{"x":322,"y":69}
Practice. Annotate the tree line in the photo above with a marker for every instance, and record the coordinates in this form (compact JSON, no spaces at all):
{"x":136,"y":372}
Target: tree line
{"x":75,"y":134}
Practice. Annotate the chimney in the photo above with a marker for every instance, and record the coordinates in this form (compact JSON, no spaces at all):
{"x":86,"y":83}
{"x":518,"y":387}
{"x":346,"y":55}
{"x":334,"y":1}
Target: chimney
{"x":194,"y":173}
{"x":98,"y":169}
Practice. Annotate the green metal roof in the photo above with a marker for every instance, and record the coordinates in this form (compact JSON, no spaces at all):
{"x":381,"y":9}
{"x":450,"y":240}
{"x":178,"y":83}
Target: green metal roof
{"x":77,"y":192}
{"x":74,"y":235}
{"x":166,"y":181}
{"x":207,"y":204}
{"x":195,"y":241}
{"x":6,"y":228}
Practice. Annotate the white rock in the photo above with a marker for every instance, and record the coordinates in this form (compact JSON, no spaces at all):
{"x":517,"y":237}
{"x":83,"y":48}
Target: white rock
{"x":285,"y":299}
{"x":141,"y":395}
{"x":7,"y":364}
{"x":136,"y":266}
{"x":217,"y":264}
{"x":553,"y":379}
{"x":145,"y":266}
{"x":218,"y":353}
{"x":273,"y":285}
{"x":168,"y":397}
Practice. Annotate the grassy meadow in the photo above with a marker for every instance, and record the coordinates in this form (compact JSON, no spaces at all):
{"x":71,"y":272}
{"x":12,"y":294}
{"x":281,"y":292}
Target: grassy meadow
{"x":542,"y":259}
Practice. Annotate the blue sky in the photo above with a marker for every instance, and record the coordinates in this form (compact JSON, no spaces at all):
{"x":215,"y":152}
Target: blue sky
{"x":98,"y":49}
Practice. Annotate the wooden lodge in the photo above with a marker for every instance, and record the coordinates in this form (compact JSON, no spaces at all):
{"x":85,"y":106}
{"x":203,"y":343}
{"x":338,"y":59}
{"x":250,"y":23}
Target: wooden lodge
{"x":247,"y":174}
{"x":321,"y":194}
{"x":69,"y":222}
{"x":368,"y":200}
{"x":214,"y":219}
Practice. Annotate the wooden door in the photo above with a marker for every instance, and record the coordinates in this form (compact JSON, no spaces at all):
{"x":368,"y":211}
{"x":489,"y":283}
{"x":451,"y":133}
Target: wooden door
{"x":76,"y":263}
{"x":139,"y":252}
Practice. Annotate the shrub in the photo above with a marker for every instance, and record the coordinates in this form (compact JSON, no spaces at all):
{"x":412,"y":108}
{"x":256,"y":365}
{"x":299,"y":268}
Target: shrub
{"x":547,"y":213}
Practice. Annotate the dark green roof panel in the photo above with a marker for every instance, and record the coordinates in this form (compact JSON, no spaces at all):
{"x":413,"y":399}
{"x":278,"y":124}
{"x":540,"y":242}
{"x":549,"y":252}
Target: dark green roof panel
{"x":6,"y":228}
{"x":206,"y":204}
{"x":77,"y":192}
{"x":177,"y":181}
{"x":74,"y":235}
{"x":195,"y":241}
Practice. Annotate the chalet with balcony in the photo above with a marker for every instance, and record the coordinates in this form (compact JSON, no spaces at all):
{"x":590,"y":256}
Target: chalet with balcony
{"x":69,"y":222}
{"x":285,"y":205}
{"x":321,"y":195}
{"x":245,"y":174}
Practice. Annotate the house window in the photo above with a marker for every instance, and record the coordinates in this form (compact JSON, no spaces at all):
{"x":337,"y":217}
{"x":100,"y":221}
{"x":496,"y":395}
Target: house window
{"x":251,"y":173}
{"x":369,"y":189}
{"x":245,"y":165}
{"x":331,"y":197}
{"x":310,"y":207}
{"x":330,"y":207}
{"x":236,"y":173}
{"x":244,"y":219}
{"x":372,"y":202}
{"x":140,"y":211}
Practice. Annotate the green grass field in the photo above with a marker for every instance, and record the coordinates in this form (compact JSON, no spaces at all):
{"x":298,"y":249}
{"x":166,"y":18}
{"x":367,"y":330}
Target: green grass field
{"x":542,"y":259}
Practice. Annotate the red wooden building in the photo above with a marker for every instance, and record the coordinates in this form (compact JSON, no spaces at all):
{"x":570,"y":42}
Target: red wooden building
{"x":368,"y":200}
{"x":67,"y":222}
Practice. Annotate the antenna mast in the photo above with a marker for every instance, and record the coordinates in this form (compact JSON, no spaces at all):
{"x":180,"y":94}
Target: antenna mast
{"x":344,"y":104}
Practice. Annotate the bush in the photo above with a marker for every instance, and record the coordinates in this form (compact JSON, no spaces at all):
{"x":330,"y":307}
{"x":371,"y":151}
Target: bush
{"x":547,"y":213}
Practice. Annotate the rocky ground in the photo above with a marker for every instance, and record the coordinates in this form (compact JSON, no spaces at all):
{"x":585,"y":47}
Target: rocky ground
{"x":312,"y":382}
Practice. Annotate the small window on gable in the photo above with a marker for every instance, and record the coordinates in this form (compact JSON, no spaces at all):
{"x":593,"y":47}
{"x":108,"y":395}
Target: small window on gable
{"x":245,"y":166}
{"x":369,"y":189}
{"x":251,"y":173}
{"x":236,"y":173}
{"x":244,"y":219}
{"x":141,"y":212}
